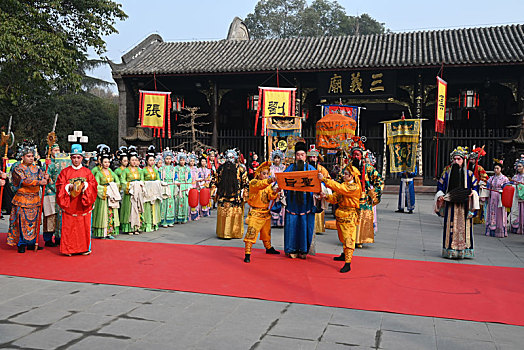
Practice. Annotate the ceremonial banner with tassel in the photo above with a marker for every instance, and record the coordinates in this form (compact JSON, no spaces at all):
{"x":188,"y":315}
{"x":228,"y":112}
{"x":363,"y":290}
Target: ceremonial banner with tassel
{"x":440,"y":118}
{"x":154,"y":109}
{"x":278,"y":112}
{"x":403,"y":138}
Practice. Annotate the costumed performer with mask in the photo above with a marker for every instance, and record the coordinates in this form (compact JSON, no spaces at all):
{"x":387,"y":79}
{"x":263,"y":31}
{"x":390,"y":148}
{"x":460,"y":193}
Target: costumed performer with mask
{"x":456,"y":201}
{"x":230,"y":182}
{"x":26,"y":178}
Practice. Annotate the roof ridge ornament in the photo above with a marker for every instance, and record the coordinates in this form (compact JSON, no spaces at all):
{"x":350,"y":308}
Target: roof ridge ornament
{"x":238,"y":30}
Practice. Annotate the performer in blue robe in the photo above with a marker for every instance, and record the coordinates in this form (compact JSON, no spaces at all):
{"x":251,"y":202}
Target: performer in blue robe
{"x":300,"y":211}
{"x":458,"y":214}
{"x":406,"y":196}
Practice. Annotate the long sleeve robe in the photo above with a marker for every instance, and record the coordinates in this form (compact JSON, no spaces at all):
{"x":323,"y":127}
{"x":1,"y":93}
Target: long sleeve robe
{"x":76,"y":219}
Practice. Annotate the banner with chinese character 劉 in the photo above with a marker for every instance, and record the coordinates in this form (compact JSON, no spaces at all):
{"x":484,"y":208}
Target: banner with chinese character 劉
{"x":305,"y":181}
{"x":440,"y":118}
{"x":403,"y":138}
{"x":278,"y":111}
{"x":155,"y":108}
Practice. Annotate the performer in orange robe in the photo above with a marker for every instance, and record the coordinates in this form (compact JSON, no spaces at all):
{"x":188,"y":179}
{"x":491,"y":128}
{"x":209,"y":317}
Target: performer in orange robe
{"x":76,"y":193}
{"x":261,"y":193}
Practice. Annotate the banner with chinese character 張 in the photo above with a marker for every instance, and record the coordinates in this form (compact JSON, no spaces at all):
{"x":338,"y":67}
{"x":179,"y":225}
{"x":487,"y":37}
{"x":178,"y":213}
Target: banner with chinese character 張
{"x":278,"y":111}
{"x":440,"y":118}
{"x":403,"y":138}
{"x":348,"y":111}
{"x":155,"y":108}
{"x":305,"y":181}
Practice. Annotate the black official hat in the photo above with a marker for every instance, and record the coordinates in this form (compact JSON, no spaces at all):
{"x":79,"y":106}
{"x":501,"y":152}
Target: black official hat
{"x":300,"y":146}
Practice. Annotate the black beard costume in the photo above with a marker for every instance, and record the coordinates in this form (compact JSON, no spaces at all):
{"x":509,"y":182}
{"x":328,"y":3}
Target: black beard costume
{"x":228,"y":184}
{"x":357,"y":163}
{"x":299,"y":166}
{"x":313,"y":164}
{"x":456,"y":177}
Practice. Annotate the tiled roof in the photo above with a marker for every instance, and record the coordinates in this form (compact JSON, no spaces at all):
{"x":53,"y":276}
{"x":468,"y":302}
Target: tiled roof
{"x":471,"y":46}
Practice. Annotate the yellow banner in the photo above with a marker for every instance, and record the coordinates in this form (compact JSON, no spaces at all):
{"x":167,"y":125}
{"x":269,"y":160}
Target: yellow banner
{"x":277,"y":103}
{"x":153,"y":110}
{"x":306,"y":181}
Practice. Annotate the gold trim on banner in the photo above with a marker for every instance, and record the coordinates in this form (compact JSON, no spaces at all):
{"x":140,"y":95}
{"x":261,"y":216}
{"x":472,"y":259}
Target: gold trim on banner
{"x":336,"y":132}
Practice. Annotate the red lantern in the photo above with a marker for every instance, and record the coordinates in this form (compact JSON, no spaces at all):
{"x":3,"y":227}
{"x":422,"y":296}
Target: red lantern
{"x":193,"y":198}
{"x":507,"y":196}
{"x":205,"y":196}
{"x":469,"y":99}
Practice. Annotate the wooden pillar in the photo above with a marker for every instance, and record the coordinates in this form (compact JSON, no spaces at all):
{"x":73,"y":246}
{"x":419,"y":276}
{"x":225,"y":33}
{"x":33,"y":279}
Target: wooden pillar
{"x":520,"y":95}
{"x":123,"y":101}
{"x":214,"y":97}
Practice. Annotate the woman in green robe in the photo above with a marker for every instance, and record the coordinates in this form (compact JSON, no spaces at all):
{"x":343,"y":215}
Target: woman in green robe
{"x":184,"y":183}
{"x":105,"y":220}
{"x":151,"y":214}
{"x":123,"y":158}
{"x":128,"y":175}
{"x":167,"y":175}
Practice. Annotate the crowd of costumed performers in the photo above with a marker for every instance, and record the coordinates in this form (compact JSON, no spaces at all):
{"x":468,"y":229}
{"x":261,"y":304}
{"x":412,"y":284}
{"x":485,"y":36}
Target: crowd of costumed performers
{"x":78,"y":197}
{"x":467,"y":196}
{"x":108,"y":194}
{"x":100,"y":194}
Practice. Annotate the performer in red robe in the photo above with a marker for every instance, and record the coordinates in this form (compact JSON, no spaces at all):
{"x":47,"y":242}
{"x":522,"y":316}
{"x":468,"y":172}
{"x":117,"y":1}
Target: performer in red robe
{"x":76,"y":189}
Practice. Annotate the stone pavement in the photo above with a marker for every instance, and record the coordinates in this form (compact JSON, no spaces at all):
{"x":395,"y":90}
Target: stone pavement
{"x":40,"y":314}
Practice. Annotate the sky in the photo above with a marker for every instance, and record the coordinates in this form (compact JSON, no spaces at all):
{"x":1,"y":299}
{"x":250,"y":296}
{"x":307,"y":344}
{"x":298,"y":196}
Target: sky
{"x":182,"y":20}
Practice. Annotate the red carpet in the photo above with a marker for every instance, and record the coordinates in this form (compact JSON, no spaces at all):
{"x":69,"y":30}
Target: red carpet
{"x":468,"y":292}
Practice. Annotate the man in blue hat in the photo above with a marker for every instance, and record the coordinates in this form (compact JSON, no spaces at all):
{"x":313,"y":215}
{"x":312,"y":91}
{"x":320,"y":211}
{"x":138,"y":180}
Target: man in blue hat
{"x":76,"y":193}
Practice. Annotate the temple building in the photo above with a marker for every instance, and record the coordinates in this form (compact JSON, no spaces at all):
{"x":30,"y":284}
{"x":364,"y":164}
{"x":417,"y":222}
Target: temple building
{"x":388,"y":75}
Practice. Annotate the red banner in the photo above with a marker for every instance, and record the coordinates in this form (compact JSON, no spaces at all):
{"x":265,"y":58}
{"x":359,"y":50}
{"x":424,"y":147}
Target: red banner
{"x":440,"y":113}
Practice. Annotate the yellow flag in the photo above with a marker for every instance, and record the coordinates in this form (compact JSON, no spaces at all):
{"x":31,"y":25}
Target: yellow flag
{"x":277,"y":103}
{"x":153,"y":110}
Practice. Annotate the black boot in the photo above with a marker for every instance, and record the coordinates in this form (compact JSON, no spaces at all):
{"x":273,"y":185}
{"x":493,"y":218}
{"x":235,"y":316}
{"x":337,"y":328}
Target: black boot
{"x":341,"y":257}
{"x":399,"y":211}
{"x":21,"y":248}
{"x":247,"y":259}
{"x":57,"y":241}
{"x":50,"y":244}
{"x":346,"y":268}
{"x":272,"y":250}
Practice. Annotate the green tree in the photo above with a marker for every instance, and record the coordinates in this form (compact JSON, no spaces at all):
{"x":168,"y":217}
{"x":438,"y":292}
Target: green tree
{"x":324,"y":17}
{"x":362,"y":25}
{"x":294,"y":18}
{"x":43,"y":45}
{"x":276,"y":19}
{"x":43,"y":58}
{"x":97,"y":117}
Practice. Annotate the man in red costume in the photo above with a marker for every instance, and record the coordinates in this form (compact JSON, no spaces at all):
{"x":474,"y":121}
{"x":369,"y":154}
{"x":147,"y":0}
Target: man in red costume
{"x":76,"y":189}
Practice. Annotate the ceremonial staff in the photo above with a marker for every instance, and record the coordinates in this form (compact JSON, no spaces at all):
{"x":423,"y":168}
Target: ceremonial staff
{"x":5,"y":142}
{"x":51,"y":140}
